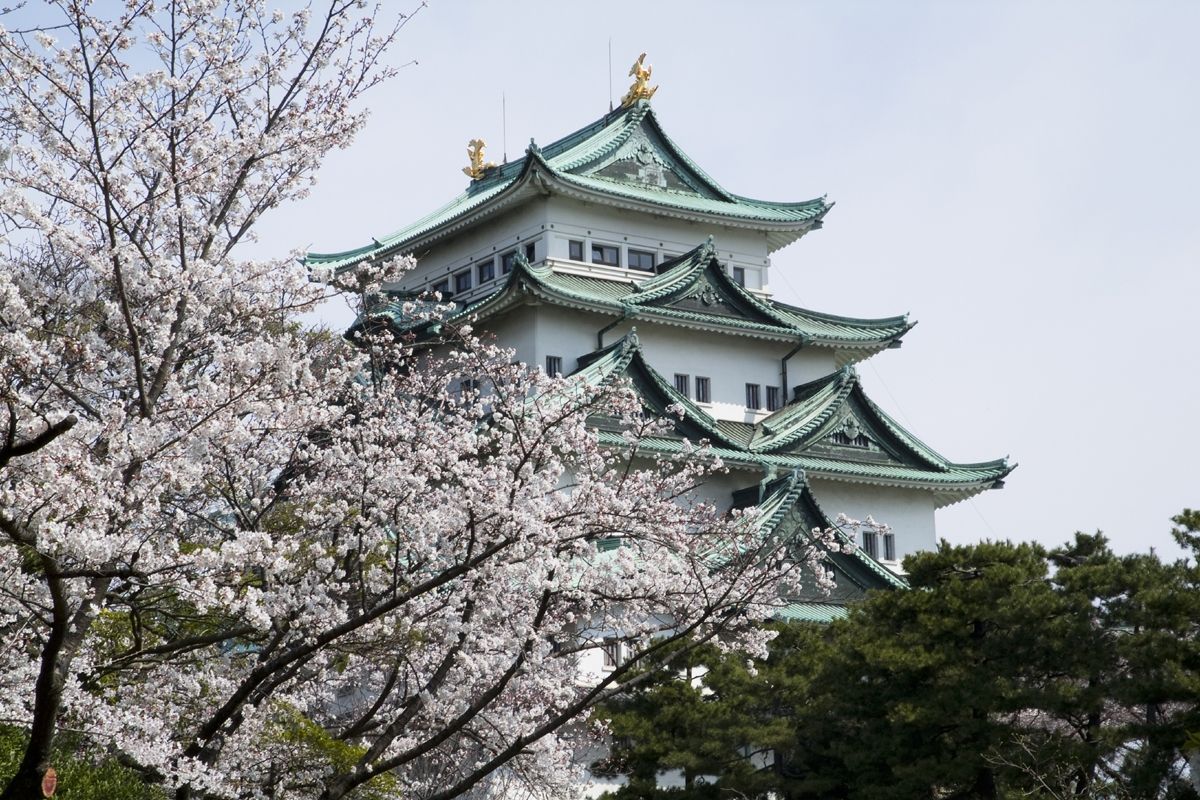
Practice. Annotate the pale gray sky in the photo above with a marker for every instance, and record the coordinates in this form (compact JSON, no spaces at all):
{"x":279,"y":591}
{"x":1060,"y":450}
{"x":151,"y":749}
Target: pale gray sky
{"x":1021,"y":177}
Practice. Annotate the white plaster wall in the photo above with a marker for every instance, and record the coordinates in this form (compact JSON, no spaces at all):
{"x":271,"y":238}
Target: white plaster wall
{"x":719,"y":489}
{"x":518,"y":330}
{"x":569,"y":219}
{"x":909,"y":512}
{"x":566,"y":332}
{"x":809,"y":364}
{"x":729,"y":362}
{"x":512,"y":229}
{"x":550,"y":222}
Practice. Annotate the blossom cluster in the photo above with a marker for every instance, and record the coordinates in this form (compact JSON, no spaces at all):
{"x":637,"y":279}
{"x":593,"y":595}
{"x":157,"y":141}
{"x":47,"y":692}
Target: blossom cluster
{"x":251,"y":558}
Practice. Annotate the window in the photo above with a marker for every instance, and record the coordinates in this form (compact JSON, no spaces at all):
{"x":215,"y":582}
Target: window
{"x":462,"y":281}
{"x":554,"y":365}
{"x":467,"y":386}
{"x":575,"y":250}
{"x":739,"y":276}
{"x":773,"y":398}
{"x":507,"y":260}
{"x":681,"y":384}
{"x":703,"y":395}
{"x":871,"y":543}
{"x":442,"y":287}
{"x":889,"y":547}
{"x":613,"y":655}
{"x":753,"y":400}
{"x":486,"y":270}
{"x":640,"y":259}
{"x":606,"y":254}
{"x":529,"y":251}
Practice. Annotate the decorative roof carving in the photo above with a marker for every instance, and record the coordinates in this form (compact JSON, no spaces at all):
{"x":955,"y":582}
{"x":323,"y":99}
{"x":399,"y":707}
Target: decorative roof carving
{"x":640,"y":90}
{"x":477,"y":167}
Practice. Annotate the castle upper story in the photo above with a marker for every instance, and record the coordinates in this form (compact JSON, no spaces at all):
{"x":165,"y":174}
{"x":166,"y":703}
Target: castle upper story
{"x":616,"y":197}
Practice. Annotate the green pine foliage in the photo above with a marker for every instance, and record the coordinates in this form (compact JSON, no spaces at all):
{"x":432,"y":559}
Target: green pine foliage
{"x":82,"y":774}
{"x":1007,"y":671}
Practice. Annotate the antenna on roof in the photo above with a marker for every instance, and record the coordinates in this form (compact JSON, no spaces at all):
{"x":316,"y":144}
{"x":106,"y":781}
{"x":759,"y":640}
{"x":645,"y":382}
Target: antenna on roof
{"x":504,"y":126}
{"x":610,"y":107}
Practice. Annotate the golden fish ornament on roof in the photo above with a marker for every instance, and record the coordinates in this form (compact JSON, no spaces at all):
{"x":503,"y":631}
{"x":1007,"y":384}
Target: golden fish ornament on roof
{"x":641,"y":89}
{"x":477,"y":166}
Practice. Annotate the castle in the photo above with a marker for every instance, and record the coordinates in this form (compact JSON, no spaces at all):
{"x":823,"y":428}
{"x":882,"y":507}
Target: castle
{"x":610,"y":253}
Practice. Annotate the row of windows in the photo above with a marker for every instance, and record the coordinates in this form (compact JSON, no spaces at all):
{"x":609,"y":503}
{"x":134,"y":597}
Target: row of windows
{"x":483,"y":272}
{"x":703,"y":392}
{"x":703,"y":385}
{"x":754,"y":397}
{"x":606,"y":254}
{"x":698,"y":388}
{"x":610,"y":255}
{"x":643,"y":260}
{"x":870,"y":545}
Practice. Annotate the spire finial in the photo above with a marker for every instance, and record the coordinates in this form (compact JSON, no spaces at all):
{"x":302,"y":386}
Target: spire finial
{"x":640,"y":90}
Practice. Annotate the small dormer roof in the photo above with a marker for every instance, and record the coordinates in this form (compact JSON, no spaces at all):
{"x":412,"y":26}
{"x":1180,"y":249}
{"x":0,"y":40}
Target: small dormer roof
{"x":818,"y":432}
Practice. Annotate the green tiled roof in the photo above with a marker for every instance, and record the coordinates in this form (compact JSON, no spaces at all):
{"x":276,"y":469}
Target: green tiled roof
{"x":798,"y":436}
{"x":691,"y":290}
{"x":788,"y":504}
{"x":823,"y":613}
{"x":582,"y":164}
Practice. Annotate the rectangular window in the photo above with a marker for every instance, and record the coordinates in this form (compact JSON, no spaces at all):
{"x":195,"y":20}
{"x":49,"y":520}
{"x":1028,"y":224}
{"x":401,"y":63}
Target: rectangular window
{"x":870,"y":543}
{"x":681,"y":384}
{"x":640,"y":259}
{"x":773,"y":398}
{"x":467,"y":386}
{"x":486,"y":270}
{"x":606,"y":254}
{"x":442,"y":287}
{"x":462,"y":281}
{"x":703,"y":393}
{"x":506,"y":261}
{"x":612,"y":653}
{"x":739,"y":276}
{"x":575,"y":250}
{"x":529,"y":251}
{"x":553,"y":365}
{"x":889,"y":547}
{"x":753,"y":397}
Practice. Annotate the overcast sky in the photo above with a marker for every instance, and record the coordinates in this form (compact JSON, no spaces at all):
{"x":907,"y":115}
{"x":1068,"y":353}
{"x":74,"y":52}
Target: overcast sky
{"x":1021,"y":178}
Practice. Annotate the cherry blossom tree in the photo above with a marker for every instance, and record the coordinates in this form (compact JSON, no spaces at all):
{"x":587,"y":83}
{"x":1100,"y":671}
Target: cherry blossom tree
{"x":250,"y":560}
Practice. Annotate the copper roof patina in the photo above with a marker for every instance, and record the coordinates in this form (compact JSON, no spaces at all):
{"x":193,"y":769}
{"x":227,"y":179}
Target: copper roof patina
{"x":808,"y":434}
{"x":604,"y":162}
{"x":692,"y":290}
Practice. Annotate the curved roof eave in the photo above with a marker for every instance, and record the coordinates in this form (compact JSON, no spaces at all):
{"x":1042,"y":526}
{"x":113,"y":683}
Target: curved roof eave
{"x":461,"y":212}
{"x":737,"y":458}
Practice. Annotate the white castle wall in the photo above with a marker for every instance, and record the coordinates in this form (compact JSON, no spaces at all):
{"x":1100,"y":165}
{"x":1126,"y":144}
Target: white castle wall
{"x":551,"y":223}
{"x":508,"y":231}
{"x":666,"y":237}
{"x":910,"y":513}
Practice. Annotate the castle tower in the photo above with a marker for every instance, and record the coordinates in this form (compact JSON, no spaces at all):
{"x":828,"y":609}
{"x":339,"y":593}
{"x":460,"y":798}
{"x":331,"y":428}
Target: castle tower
{"x":610,"y":252}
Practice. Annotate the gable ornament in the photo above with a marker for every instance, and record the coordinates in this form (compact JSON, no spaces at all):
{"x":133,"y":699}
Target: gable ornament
{"x":478,"y":166}
{"x":641,"y":89}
